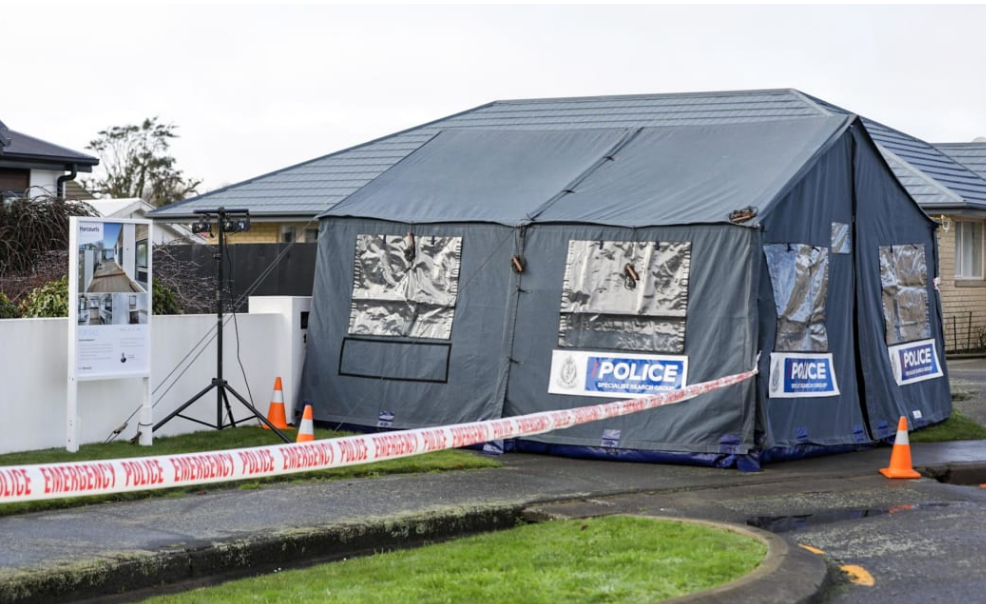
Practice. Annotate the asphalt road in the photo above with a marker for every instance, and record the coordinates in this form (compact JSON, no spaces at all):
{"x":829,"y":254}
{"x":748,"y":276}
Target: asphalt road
{"x":932,"y":548}
{"x":917,"y":541}
{"x":898,"y":541}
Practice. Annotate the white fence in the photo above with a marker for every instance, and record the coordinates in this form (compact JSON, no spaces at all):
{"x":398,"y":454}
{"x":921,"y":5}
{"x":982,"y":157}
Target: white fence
{"x":268,"y":342}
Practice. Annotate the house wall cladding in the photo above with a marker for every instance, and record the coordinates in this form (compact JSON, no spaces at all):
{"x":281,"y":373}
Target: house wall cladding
{"x":963,"y":301}
{"x":270,"y":232}
{"x":260,"y":232}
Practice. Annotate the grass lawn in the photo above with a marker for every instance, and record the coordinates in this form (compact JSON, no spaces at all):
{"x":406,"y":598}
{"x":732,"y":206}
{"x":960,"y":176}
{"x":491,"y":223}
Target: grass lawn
{"x":956,"y":427}
{"x":614,"y":559}
{"x":230,"y":438}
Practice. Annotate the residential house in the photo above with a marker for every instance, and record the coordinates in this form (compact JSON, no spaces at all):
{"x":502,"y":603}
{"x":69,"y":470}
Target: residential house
{"x":962,"y":253}
{"x":30,"y":166}
{"x":131,"y":207}
{"x":135,"y":207}
{"x":284,"y":204}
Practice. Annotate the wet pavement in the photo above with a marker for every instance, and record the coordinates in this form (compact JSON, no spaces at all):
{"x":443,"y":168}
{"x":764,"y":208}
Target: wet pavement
{"x":968,"y":380}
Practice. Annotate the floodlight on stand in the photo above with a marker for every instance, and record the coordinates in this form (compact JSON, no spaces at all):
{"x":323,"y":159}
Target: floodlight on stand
{"x":227,"y":221}
{"x":237,"y":224}
{"x":202,"y":226}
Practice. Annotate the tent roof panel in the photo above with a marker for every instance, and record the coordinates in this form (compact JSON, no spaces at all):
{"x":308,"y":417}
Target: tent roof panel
{"x":679,"y":175}
{"x":696,"y":174}
{"x":499,"y":176}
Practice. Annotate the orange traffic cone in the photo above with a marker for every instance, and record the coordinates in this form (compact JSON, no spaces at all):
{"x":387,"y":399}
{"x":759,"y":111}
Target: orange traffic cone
{"x":900,"y":459}
{"x":306,"y":431}
{"x":275,"y":413}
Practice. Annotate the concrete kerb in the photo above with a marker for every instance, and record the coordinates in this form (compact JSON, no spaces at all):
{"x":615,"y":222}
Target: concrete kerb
{"x":127,"y":577}
{"x":788,"y":575}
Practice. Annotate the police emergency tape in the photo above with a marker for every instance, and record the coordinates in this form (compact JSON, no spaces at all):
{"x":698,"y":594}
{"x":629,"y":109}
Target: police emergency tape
{"x":52,"y":481}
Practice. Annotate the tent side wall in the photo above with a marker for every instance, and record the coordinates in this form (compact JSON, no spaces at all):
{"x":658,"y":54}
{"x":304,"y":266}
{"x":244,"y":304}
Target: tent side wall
{"x":897,"y":262}
{"x":720,"y":339}
{"x":370,"y":380}
{"x":809,"y":280}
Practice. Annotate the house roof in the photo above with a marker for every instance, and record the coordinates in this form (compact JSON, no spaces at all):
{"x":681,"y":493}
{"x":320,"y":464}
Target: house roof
{"x":135,"y":207}
{"x":971,"y":155}
{"x":4,"y":136}
{"x":18,"y":149}
{"x":120,"y":207}
{"x":310,"y":188}
{"x":935,"y":180}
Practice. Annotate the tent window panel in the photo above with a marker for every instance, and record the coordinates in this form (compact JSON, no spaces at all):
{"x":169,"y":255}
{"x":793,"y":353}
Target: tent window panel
{"x":405,"y":286}
{"x":626,"y":295}
{"x":904,"y":278}
{"x":799,"y":277}
{"x":622,"y":333}
{"x":841,"y":238}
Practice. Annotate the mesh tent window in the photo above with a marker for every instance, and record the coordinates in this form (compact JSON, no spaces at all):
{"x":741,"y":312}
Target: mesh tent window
{"x":405,"y":286}
{"x":799,"y":278}
{"x":904,"y":279}
{"x":625,"y":295}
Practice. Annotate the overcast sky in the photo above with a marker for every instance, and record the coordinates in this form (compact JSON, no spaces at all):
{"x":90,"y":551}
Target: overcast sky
{"x":253,"y":89}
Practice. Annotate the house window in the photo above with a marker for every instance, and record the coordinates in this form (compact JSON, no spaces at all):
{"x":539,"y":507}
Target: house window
{"x":13,"y":183}
{"x":311,"y":235}
{"x":288,"y":233}
{"x":969,"y":250}
{"x":142,"y":261}
{"x":405,"y":286}
{"x":625,"y":295}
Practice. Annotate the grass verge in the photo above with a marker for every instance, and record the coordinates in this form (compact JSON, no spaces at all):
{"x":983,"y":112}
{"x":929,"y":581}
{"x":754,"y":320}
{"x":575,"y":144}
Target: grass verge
{"x":956,"y":427}
{"x":613,"y":559}
{"x":217,"y":440}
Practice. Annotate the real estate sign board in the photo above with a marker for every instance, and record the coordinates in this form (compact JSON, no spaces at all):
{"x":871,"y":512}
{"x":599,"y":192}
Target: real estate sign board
{"x":109,"y":301}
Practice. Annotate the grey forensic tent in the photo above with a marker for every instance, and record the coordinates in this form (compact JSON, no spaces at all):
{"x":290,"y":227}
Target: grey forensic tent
{"x":505,"y":271}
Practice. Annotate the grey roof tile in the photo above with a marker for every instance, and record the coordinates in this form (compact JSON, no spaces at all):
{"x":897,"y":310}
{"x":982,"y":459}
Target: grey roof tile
{"x":23,"y":147}
{"x":312,"y":187}
{"x":971,"y":155}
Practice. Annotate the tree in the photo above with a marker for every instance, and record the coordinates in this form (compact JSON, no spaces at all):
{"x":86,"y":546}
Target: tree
{"x":136,"y":163}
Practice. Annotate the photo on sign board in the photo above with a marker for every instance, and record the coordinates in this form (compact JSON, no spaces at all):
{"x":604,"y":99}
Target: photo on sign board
{"x":113,"y":257}
{"x":113,"y":273}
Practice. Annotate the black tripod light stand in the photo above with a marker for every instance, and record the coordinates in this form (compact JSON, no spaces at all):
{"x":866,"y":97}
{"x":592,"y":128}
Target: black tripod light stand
{"x":227,"y":221}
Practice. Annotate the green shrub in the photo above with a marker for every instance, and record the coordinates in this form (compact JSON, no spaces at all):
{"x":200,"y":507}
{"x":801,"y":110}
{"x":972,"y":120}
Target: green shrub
{"x":49,"y":300}
{"x":164,"y":301}
{"x":8,"y":310}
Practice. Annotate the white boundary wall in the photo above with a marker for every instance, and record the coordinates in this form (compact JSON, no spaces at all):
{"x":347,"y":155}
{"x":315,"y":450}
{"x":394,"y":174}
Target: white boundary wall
{"x":33,"y":366}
